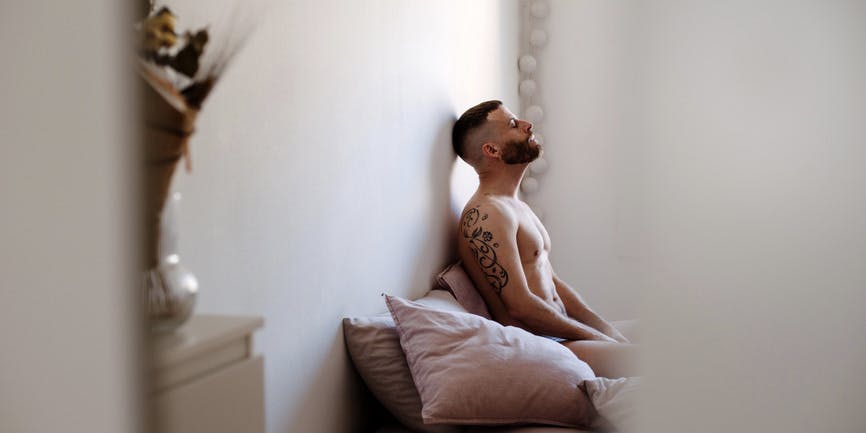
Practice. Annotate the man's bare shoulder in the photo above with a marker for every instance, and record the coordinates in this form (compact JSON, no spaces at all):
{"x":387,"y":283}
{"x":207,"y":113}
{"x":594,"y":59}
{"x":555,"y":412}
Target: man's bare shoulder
{"x":491,"y":209}
{"x":488,"y":229}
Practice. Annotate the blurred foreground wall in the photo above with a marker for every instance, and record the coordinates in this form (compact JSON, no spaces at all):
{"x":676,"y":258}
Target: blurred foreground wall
{"x":751,"y":119}
{"x":68,"y":332}
{"x":707,"y":175}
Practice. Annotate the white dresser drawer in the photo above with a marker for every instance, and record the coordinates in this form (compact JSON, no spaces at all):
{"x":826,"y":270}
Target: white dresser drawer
{"x":205,"y":377}
{"x":228,"y":400}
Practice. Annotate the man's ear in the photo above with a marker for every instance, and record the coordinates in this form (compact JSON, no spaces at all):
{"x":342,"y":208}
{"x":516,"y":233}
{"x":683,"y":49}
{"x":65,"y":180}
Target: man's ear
{"x":490,"y":149}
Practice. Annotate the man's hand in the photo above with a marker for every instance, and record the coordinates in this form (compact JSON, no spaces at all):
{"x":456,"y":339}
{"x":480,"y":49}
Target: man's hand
{"x":610,"y":331}
{"x":608,"y":339}
{"x":579,"y":310}
{"x":615,"y":335}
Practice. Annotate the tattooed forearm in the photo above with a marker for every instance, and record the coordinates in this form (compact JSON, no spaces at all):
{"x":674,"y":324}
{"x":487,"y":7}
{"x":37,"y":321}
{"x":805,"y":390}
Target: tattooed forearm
{"x":482,"y":246}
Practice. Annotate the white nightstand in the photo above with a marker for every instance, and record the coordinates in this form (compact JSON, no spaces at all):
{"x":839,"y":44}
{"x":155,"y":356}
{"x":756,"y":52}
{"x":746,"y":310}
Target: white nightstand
{"x":206,"y":378}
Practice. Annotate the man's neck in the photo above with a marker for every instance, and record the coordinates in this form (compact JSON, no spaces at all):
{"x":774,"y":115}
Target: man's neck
{"x":503,"y":180}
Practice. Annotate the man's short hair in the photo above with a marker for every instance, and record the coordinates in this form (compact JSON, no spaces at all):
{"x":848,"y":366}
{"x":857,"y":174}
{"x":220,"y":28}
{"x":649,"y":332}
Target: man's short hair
{"x":469,"y":121}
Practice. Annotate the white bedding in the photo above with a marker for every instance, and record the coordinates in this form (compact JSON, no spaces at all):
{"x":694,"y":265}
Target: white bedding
{"x":614,"y":400}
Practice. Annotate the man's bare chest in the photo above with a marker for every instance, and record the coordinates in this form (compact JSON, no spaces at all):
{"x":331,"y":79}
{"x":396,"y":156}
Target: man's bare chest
{"x":533,"y":241}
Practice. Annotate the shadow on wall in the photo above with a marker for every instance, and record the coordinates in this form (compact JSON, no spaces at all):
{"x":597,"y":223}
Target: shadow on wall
{"x":508,"y":51}
{"x":336,"y":387}
{"x":440,"y":238}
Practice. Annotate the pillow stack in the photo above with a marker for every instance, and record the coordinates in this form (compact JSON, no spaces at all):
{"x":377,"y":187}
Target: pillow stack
{"x":435,"y":366}
{"x":374,"y":347}
{"x":470,"y":370}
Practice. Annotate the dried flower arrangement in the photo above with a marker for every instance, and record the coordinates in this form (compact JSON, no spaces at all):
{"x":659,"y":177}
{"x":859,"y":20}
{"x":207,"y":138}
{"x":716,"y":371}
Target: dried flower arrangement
{"x":178,"y":78}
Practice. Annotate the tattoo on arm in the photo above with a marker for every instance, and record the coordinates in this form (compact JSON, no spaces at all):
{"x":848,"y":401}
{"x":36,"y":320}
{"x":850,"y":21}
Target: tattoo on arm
{"x":482,"y":246}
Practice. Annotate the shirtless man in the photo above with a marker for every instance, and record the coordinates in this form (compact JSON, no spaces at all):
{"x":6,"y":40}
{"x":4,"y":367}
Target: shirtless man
{"x":505,"y":248}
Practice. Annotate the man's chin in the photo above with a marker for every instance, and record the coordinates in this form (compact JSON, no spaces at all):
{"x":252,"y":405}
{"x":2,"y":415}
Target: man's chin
{"x":529,"y":151}
{"x":526,"y":159}
{"x":536,"y":150}
{"x":540,"y":150}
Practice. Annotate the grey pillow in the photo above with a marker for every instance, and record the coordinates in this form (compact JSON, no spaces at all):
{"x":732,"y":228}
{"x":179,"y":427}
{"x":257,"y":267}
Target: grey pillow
{"x":374,"y":347}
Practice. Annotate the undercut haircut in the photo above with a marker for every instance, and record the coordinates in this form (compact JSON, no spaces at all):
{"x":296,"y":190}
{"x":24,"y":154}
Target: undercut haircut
{"x":472,"y":119}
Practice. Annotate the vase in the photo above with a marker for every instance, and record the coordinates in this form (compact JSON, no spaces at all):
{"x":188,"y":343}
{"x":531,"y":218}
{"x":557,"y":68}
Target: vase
{"x":170,"y":288}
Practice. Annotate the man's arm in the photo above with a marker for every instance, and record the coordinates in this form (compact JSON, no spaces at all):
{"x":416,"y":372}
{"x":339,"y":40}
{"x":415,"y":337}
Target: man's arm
{"x":578,"y":309}
{"x":491,"y":236}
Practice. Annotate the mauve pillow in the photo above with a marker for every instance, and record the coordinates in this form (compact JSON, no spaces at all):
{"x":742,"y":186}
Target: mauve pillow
{"x":374,"y":347}
{"x":455,"y":279}
{"x":470,"y":370}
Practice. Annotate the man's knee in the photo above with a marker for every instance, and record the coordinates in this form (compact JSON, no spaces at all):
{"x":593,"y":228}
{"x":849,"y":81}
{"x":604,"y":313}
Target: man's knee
{"x":606,"y":359}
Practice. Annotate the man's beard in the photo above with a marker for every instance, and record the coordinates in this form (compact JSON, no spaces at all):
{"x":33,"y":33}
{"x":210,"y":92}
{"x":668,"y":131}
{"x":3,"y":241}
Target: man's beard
{"x":520,"y":152}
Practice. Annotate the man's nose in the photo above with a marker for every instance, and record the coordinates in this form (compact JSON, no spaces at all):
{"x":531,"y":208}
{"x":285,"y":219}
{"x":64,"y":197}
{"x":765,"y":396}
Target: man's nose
{"x":527,"y":125}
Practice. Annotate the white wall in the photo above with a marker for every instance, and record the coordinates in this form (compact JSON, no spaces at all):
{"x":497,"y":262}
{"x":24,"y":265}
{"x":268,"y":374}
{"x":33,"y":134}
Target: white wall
{"x":588,"y":195}
{"x":68,"y":320}
{"x":321,"y":177}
